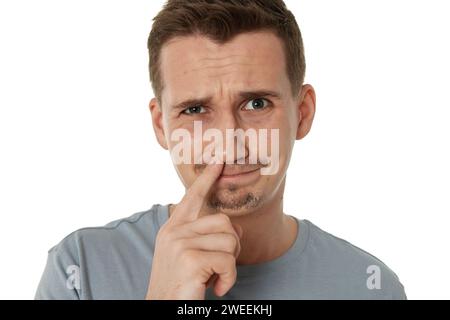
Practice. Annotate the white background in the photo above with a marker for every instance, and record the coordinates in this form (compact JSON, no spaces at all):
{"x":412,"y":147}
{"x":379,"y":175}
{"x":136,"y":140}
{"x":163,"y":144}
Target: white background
{"x":77,"y":147}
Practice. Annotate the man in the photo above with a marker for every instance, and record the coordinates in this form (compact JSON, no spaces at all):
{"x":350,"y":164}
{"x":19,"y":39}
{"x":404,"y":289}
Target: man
{"x":230,"y":103}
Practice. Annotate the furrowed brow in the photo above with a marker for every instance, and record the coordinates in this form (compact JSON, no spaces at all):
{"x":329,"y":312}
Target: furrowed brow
{"x":243,"y":94}
{"x":192,"y":102}
{"x":258,"y":94}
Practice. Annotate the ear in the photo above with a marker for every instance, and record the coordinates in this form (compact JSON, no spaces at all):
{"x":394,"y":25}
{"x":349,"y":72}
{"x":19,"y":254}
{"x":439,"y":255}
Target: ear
{"x":306,"y":110}
{"x":156,"y":113}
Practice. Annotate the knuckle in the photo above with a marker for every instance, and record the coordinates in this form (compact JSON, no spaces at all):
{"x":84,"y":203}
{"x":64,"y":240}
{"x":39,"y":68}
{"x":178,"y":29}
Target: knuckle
{"x":189,"y":257}
{"x":223,"y":218}
{"x":227,"y":260}
{"x":230,"y":260}
{"x":233,"y":274}
{"x":231,"y":242}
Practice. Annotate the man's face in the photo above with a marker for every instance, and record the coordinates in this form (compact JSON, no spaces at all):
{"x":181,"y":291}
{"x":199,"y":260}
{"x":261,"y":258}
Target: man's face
{"x":242,"y":84}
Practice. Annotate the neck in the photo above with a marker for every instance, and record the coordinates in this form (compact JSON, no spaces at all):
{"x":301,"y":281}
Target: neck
{"x":267,"y":232}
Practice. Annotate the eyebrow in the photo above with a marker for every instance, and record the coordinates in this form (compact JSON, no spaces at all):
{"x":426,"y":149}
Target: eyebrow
{"x":242,"y":94}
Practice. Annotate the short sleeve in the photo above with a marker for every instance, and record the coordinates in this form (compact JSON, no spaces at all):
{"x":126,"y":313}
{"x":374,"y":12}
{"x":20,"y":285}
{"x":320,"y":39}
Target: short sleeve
{"x":61,"y":277}
{"x":398,"y":292}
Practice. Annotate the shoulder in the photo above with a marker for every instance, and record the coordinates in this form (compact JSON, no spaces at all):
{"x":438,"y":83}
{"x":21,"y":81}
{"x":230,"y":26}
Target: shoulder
{"x":94,"y":253}
{"x":355,"y":267}
{"x":143,"y":222}
{"x":98,"y":248}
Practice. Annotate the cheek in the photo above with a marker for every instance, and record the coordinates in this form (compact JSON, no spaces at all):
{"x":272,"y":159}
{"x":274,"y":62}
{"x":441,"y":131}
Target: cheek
{"x":186,"y":174}
{"x":286,"y":118}
{"x":279,"y":150}
{"x":180,"y":141}
{"x":269,"y":185}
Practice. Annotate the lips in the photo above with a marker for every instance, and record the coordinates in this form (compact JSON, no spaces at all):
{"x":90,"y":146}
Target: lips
{"x":236,"y":170}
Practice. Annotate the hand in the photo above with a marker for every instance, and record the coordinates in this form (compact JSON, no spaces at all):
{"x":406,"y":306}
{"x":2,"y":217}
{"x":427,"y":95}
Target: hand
{"x":192,"y":250}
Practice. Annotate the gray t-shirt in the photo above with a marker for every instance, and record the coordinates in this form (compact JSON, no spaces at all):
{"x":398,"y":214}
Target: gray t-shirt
{"x":114,"y":262}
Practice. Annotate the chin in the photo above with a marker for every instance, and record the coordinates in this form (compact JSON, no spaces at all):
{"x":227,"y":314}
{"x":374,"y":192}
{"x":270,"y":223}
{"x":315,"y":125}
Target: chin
{"x":235,"y":202}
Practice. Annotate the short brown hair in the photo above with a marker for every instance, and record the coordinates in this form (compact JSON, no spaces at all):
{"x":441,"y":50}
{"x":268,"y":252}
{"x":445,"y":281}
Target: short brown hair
{"x":221,"y":20}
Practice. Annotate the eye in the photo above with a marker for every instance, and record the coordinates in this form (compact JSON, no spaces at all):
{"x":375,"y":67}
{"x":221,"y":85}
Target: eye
{"x":256,"y":104}
{"x":194,"y":110}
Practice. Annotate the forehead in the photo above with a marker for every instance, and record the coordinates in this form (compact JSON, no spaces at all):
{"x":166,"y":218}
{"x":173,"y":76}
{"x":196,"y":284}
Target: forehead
{"x":194,"y":65}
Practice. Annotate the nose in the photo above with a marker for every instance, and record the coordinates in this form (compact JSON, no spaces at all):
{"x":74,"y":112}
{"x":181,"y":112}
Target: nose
{"x":235,"y":147}
{"x":226,"y":119}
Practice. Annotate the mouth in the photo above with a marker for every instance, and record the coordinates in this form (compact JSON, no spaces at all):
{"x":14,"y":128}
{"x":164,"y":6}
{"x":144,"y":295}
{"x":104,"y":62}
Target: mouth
{"x":238,"y":176}
{"x":237,"y":173}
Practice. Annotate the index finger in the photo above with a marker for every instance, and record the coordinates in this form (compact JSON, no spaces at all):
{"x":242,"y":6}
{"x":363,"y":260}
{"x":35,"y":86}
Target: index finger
{"x":189,"y":207}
